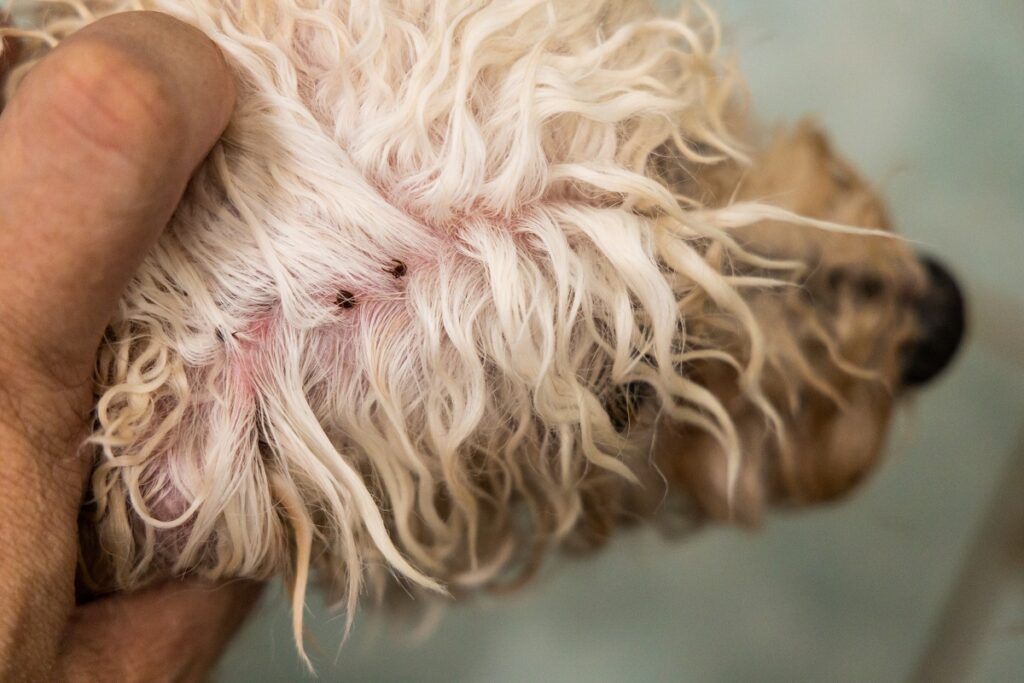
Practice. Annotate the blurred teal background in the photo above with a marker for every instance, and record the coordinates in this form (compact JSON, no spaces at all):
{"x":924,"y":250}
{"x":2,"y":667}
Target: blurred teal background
{"x":926,"y":96}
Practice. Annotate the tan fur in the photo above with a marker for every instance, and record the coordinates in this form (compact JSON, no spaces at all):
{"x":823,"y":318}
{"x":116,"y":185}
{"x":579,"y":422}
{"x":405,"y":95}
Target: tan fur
{"x":851,"y":304}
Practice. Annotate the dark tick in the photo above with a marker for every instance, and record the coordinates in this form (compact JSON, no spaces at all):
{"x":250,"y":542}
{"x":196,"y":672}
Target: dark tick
{"x":345,"y":299}
{"x":397,"y":268}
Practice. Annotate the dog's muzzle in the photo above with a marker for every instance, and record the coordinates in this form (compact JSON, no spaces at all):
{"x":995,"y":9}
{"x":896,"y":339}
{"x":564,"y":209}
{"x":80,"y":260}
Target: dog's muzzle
{"x":942,"y":320}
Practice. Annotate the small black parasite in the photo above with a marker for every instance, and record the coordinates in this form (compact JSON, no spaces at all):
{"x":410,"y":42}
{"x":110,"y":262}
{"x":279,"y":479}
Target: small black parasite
{"x":397,"y":268}
{"x":345,"y":299}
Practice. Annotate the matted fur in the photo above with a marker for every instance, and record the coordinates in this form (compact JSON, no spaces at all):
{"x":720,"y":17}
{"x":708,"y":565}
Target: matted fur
{"x":466,"y":280}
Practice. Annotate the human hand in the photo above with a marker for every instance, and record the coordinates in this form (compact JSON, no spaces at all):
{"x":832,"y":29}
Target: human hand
{"x":96,"y":149}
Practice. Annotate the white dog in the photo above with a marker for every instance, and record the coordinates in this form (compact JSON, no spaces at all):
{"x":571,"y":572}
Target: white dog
{"x":466,"y":280}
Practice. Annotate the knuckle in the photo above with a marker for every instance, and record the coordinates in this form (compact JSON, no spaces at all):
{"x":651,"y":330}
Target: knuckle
{"x":50,"y":418}
{"x":39,"y":400}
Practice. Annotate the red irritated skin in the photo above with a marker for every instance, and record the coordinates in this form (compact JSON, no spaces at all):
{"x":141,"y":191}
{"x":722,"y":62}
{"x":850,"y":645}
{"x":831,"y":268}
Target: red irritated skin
{"x":98,"y":146}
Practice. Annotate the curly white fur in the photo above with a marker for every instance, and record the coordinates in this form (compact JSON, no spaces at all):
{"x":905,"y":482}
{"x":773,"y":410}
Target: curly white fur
{"x":385,"y":329}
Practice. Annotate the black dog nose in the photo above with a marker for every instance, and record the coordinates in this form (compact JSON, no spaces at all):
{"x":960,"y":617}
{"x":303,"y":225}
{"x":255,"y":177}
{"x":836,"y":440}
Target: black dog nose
{"x":942,"y":322}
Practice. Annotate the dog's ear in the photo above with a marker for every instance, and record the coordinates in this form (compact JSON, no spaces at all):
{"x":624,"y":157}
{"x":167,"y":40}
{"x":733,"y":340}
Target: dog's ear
{"x":694,"y":464}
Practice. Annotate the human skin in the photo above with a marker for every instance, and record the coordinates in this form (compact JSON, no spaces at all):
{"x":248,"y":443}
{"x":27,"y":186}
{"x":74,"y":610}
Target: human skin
{"x":96,"y":149}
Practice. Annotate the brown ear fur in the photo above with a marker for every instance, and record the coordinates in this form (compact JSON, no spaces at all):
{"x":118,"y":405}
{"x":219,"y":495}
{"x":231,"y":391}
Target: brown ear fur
{"x":833,"y":431}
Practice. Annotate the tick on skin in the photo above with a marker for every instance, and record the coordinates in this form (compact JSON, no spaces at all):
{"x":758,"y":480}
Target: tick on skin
{"x":397,"y":268}
{"x":345,"y":299}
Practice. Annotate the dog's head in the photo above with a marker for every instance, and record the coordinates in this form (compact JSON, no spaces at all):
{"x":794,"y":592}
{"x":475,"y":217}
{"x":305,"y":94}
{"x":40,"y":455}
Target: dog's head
{"x":864,"y":321}
{"x":465,"y":281}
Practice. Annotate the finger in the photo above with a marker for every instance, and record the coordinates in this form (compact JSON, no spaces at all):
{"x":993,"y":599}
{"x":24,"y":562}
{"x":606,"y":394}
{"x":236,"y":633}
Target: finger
{"x":96,"y":148}
{"x":174,"y":632}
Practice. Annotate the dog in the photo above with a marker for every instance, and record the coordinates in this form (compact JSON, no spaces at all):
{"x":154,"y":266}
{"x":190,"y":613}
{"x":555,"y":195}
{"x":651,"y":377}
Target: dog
{"x":469,"y":281}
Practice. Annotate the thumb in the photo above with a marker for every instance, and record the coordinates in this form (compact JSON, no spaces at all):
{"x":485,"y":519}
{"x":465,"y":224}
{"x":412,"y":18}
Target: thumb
{"x":96,"y":148}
